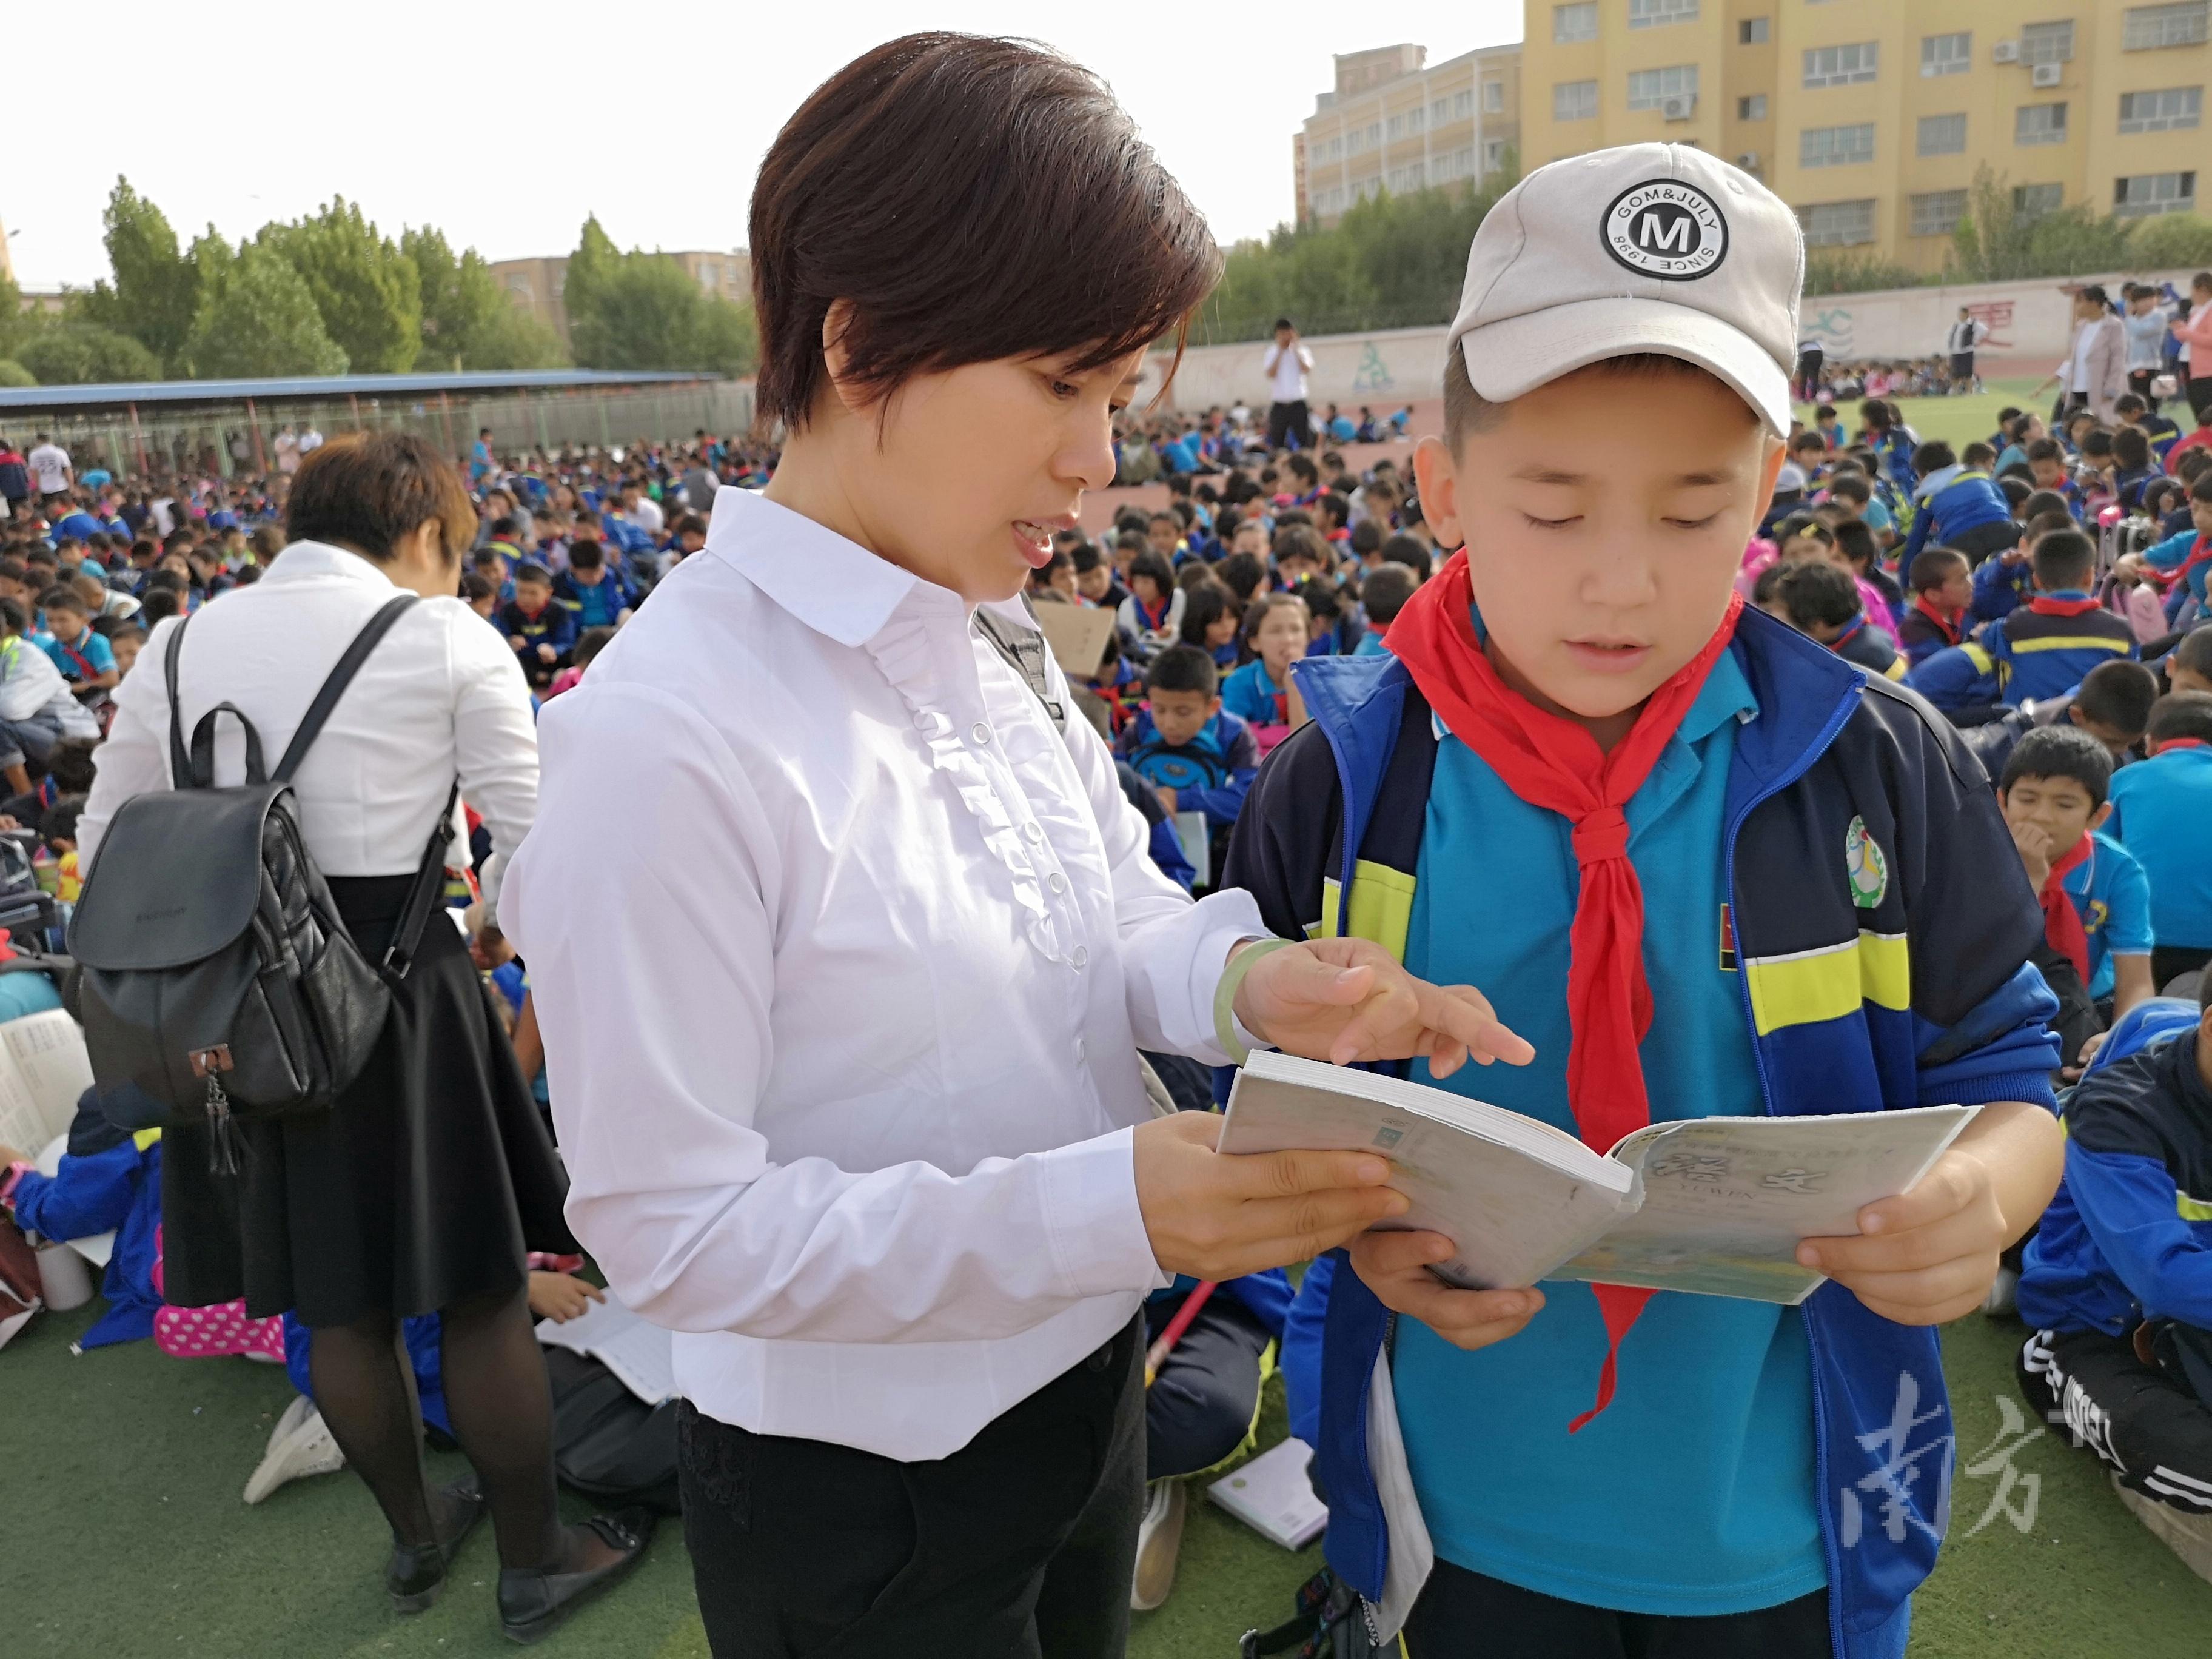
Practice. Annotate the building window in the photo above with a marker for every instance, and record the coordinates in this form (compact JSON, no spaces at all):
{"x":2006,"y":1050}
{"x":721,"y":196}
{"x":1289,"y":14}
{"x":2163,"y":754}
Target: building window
{"x":2148,"y":193}
{"x":2034,"y":201}
{"x":1942,"y":135}
{"x":1493,"y":97}
{"x":1650,"y":14}
{"x":519,"y":286}
{"x":1396,"y":127}
{"x":1574,"y":100}
{"x":1835,"y":146}
{"x":2040,"y":123}
{"x":1417,"y":119}
{"x":1841,"y":66}
{"x":1752,"y":31}
{"x":1493,"y":153}
{"x":1440,"y":111}
{"x":1947,"y":54}
{"x":1837,"y":224}
{"x":1753,"y":108}
{"x":1404,"y":181}
{"x":2166,"y":111}
{"x":1938,"y":212}
{"x":1573,"y":23}
{"x":1648,"y":88}
{"x":1463,"y":106}
{"x":2047,"y":43}
{"x":2148,"y":27}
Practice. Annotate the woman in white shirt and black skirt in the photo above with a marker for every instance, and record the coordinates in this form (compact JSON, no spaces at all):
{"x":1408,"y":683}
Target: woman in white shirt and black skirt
{"x":421,"y":1186}
{"x":844,"y":1042}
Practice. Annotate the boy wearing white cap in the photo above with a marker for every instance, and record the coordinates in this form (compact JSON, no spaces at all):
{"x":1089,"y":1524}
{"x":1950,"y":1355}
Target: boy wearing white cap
{"x":1705,"y":866}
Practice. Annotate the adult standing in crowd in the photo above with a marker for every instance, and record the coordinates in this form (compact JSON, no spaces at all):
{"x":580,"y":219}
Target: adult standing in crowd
{"x":1286,"y":363}
{"x":50,"y":470}
{"x":848,"y":1043}
{"x":2145,"y":326}
{"x":2094,"y":373}
{"x":2194,"y":331}
{"x":422,"y":1185}
{"x":1965,"y":335}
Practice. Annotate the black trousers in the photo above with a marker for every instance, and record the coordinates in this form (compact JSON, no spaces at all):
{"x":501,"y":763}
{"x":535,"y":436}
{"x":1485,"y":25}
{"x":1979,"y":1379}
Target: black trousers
{"x":2152,"y":1423}
{"x":1286,"y":419}
{"x":1021,"y":1545}
{"x":1808,"y":373}
{"x":2199,"y":389}
{"x":1201,"y":1405}
{"x":1962,"y":367}
{"x":1470,"y":1615}
{"x":1985,"y":539}
{"x":2169,"y":962}
{"x":2139,"y":382}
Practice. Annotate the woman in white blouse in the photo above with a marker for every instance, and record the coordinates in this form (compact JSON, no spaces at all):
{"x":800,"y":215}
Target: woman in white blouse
{"x":420,"y":1188}
{"x":843,"y":950}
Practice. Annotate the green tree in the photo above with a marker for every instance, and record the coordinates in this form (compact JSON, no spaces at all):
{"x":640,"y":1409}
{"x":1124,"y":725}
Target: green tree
{"x":75,"y":352}
{"x":155,"y":291}
{"x":13,"y":374}
{"x":366,"y":290}
{"x":468,"y":322}
{"x":14,"y":324}
{"x":260,"y":320}
{"x":1998,"y":242}
{"x":640,"y":311}
{"x":1828,"y":272}
{"x":2171,"y":241}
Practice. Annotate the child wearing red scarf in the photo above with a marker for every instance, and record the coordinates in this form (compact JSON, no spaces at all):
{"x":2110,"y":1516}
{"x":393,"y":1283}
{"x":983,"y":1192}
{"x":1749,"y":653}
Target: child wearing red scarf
{"x":2047,"y":646}
{"x":1942,"y":588}
{"x":1704,"y":866}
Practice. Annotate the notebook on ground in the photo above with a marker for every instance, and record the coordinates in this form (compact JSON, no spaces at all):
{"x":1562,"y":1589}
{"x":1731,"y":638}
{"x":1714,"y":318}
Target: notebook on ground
{"x":1715,"y":1206}
{"x":1272,"y":1495}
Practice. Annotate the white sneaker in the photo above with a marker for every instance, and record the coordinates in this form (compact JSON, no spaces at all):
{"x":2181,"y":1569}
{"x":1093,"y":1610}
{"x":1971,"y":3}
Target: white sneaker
{"x":2004,"y":1294}
{"x":1159,"y":1541}
{"x":299,"y":1445}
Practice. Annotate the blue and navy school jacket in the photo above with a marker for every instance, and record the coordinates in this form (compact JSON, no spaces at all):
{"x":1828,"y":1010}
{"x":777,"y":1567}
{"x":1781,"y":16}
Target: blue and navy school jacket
{"x":1211,"y":773}
{"x":1923,"y":996}
{"x":108,"y":1178}
{"x":556,"y":625}
{"x":1961,"y":681}
{"x":610,"y":595}
{"x":2128,"y":1236}
{"x":1950,"y":505}
{"x":2000,"y":586}
{"x":2038,"y":655}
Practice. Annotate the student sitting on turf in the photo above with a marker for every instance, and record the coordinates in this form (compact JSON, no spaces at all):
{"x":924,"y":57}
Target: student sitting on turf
{"x":2160,"y":810}
{"x":108,"y":1180}
{"x":2045,"y":647}
{"x":2096,"y":901}
{"x":1260,"y":692}
{"x":541,"y":631}
{"x":1212,"y":619}
{"x":1823,"y":603}
{"x":1197,"y":758}
{"x":1943,"y":587}
{"x":2118,"y":1280}
{"x":2184,"y":560}
{"x":2187,"y":668}
{"x":589,"y":592}
{"x":1152,"y":616}
{"x":1957,"y":506}
{"x":1577,"y":731}
{"x":1382,"y":595}
{"x":2112,"y":704}
{"x":86,"y":660}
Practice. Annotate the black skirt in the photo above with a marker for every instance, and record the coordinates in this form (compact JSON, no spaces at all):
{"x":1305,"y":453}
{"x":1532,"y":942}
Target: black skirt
{"x":425,"y":1183}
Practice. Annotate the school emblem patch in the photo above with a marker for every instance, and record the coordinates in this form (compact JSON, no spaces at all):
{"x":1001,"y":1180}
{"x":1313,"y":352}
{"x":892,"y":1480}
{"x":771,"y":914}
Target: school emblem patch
{"x":1666,"y":229}
{"x":1863,"y":862}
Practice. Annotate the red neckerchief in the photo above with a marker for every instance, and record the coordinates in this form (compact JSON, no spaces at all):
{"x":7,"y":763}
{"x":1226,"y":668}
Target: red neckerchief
{"x":2200,"y":552}
{"x":1551,"y":762}
{"x":2178,"y":743}
{"x":1946,"y":626}
{"x":1379,"y":632}
{"x":83,"y":663}
{"x":2050,"y":605}
{"x":1281,"y":695}
{"x":2062,"y":922}
{"x":1857,"y":625}
{"x":1153,"y":615}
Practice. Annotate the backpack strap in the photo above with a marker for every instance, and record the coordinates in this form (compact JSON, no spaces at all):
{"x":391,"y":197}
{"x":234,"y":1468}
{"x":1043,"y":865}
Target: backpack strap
{"x":180,"y":766}
{"x":1023,"y":648}
{"x":333,"y":688}
{"x":422,"y":898}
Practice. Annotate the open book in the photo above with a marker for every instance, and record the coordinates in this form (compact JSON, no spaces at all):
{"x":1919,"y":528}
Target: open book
{"x":44,"y":1069}
{"x":641,"y":1355}
{"x":1715,"y":1206}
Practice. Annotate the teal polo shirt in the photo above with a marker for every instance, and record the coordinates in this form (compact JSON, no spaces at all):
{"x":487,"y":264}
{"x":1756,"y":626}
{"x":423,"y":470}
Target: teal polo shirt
{"x":2160,"y":808}
{"x":1694,"y":1494}
{"x":2112,"y":896}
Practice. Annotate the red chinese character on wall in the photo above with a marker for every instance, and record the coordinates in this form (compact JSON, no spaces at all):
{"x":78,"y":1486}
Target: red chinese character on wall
{"x":1996,"y":315}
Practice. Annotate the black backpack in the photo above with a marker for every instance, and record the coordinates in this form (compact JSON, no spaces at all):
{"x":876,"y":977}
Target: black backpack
{"x":218,"y":978}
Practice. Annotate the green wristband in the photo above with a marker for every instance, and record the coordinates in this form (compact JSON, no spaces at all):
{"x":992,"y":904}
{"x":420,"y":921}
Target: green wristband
{"x":1224,"y":995}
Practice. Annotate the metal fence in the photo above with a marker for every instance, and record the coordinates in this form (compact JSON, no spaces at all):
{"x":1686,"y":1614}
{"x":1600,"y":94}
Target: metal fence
{"x":230,"y":440}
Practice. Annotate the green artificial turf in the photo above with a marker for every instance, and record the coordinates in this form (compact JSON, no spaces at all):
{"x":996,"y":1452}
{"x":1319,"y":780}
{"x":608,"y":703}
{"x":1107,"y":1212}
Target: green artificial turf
{"x":120,"y":1471}
{"x":1957,"y":421}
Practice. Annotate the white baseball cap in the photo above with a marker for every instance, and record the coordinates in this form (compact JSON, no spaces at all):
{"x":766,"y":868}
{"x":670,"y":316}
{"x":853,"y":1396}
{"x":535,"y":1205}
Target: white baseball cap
{"x":1656,"y":248}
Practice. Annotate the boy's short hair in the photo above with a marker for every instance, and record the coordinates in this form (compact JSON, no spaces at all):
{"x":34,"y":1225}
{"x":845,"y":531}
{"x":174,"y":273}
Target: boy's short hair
{"x":2018,"y":485}
{"x":2131,"y":448}
{"x":2046,"y":449}
{"x":533,"y":573}
{"x":2181,"y":714}
{"x":2200,"y":488}
{"x":1185,"y":668}
{"x":1807,"y":440}
{"x":2064,"y":559}
{"x":1385,"y":591}
{"x":2042,"y":505}
{"x":585,"y":554}
{"x":589,"y":644}
{"x":1035,"y":158}
{"x":1855,"y":537}
{"x":1935,"y":566}
{"x":1412,"y":552}
{"x":1818,"y":594}
{"x":2118,"y":695}
{"x":1193,"y":574}
{"x":59,"y":822}
{"x":1467,"y":411}
{"x":1084,"y":556}
{"x":2096,"y":443}
{"x":1301,"y":541}
{"x":1978,"y":455}
{"x":475,"y":587}
{"x":1851,"y":486}
{"x":1243,"y":575}
{"x":71,"y":766}
{"x":2128,"y":403}
{"x":1338,"y":508}
{"x":1933,"y":456}
{"x":2192,"y":462}
{"x":158,"y":604}
{"x":1366,"y":537}
{"x":2194,"y":652}
{"x":2060,"y":751}
{"x":61,"y":597}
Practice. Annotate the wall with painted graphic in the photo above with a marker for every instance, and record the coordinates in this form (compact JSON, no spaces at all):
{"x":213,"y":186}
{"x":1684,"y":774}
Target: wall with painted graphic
{"x":2029,"y":325}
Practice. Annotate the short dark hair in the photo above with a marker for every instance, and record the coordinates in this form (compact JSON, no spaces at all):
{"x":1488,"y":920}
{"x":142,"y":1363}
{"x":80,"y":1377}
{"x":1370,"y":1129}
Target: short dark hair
{"x":1366,"y":537}
{"x":1182,"y":668}
{"x":1934,"y":566}
{"x":2200,"y":488}
{"x":2098,"y":440}
{"x":1816,"y":592}
{"x":2064,"y":559}
{"x":59,"y":822}
{"x":2128,"y":403}
{"x":2060,"y":751}
{"x":158,"y":604}
{"x":1301,"y":541}
{"x":1412,"y":552}
{"x":1933,"y":456}
{"x":1339,"y":509}
{"x":584,"y":554}
{"x":1855,"y":537}
{"x":2118,"y":695}
{"x":1385,"y":591}
{"x":1978,"y":454}
{"x":62,"y":597}
{"x":2181,"y":714}
{"x":1851,"y":485}
{"x":2131,"y":448}
{"x":2194,"y":651}
{"x":589,"y":644}
{"x":949,"y":188}
{"x":2046,"y":449}
{"x":1242,"y":573}
{"x":368,"y":489}
{"x":71,"y":766}
{"x":475,"y":587}
{"x":533,"y":573}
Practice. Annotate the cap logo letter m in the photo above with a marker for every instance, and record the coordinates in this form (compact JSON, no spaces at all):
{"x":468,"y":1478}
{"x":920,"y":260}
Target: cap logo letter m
{"x":1666,"y":229}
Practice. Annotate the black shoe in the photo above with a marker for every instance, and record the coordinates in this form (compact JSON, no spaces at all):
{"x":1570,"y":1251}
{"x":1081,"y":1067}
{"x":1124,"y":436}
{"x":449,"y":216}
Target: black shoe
{"x":416,"y":1572}
{"x":534,"y":1602}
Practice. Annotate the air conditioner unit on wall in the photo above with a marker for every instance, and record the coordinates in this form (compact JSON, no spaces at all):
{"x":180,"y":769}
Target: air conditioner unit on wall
{"x":1748,"y":160}
{"x":1681,"y":107}
{"x":2005,"y":52}
{"x":2047,"y":75}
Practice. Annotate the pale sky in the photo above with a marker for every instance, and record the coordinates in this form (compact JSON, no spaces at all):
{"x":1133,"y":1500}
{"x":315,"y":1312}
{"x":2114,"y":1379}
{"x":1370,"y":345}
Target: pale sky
{"x":504,"y":124}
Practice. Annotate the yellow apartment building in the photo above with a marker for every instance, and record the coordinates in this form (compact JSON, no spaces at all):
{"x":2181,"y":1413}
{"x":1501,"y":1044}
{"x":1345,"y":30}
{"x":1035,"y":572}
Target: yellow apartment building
{"x":1870,"y":117}
{"x":1393,"y":123}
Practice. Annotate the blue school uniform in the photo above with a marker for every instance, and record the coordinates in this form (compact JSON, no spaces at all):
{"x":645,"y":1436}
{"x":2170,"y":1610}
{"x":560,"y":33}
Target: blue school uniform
{"x":1210,"y":774}
{"x":2111,"y":895}
{"x":86,"y":658}
{"x":1952,"y":501}
{"x":2160,"y":808}
{"x":556,"y":625}
{"x":593,"y":605}
{"x":79,"y":526}
{"x":109,"y":1178}
{"x":2174,"y":553}
{"x":1957,"y":678}
{"x":2002,"y":585}
{"x":1255,"y":698}
{"x":2047,"y":646}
